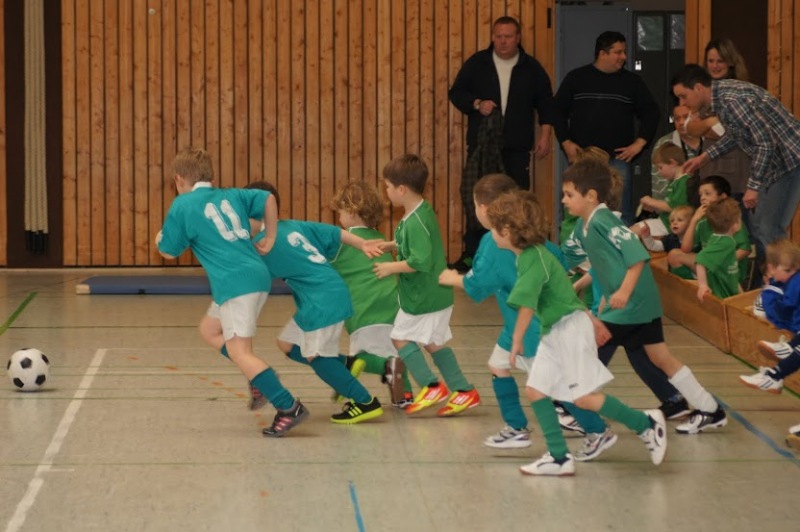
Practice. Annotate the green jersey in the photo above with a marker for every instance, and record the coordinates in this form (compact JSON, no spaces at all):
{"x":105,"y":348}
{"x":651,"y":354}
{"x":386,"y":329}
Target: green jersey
{"x":374,"y":300}
{"x":612,"y":249}
{"x":676,"y":195}
{"x":543,"y":285}
{"x":703,"y":232}
{"x":719,"y":258}
{"x":419,"y":243}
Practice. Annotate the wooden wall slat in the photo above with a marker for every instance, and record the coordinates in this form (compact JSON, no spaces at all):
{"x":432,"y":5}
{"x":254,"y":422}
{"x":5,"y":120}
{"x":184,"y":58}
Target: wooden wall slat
{"x":355,"y":75}
{"x":183,"y":84}
{"x":255,"y":89}
{"x":439,"y":165}
{"x":412,"y":53}
{"x":97,"y":176}
{"x":270,"y":118}
{"x":283,"y":83}
{"x":155,"y":140}
{"x":84,"y":134}
{"x":141,"y":197}
{"x":126,"y":114}
{"x":240,"y":96}
{"x":773,"y":47}
{"x":787,"y":39}
{"x":327,"y":126}
{"x":300,"y":208}
{"x":384,"y":82}
{"x":68,"y":134}
{"x":212,"y":80}
{"x":312,"y":115}
{"x":112,"y":130}
{"x":341,"y":93}
{"x":455,"y":131}
{"x":370,"y":170}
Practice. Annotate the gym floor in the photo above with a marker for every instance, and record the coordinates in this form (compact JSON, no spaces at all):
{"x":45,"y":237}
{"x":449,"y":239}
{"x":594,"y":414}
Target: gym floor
{"x":143,"y":427}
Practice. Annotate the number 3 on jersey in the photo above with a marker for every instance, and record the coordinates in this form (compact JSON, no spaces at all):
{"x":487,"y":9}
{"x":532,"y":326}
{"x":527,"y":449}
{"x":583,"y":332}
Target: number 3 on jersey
{"x":299,"y":241}
{"x":235,"y":231}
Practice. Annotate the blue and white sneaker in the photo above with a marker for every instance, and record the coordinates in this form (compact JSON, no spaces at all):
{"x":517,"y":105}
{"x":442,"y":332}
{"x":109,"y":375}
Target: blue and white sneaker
{"x":594,"y":445}
{"x":758,"y":308}
{"x":655,"y":438}
{"x":775,"y":350}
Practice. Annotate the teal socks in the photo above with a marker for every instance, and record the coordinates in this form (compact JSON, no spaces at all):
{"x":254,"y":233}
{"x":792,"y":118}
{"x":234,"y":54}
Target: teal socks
{"x":507,"y":392}
{"x":270,"y":387}
{"x":415,"y":362}
{"x":336,"y":375}
{"x":448,"y":366}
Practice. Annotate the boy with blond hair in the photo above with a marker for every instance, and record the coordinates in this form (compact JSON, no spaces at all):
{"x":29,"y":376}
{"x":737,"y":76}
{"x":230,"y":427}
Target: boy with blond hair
{"x":425,"y":305}
{"x":669,"y":159}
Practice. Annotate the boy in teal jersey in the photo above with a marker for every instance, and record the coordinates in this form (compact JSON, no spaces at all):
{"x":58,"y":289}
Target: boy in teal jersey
{"x":566,"y":366}
{"x":669,"y":159}
{"x":712,"y":188}
{"x":717,"y":270}
{"x":425,"y":306}
{"x":375,"y":304}
{"x":214,"y":223}
{"x":494,"y":272}
{"x":301,"y":257}
{"x":630,"y":307}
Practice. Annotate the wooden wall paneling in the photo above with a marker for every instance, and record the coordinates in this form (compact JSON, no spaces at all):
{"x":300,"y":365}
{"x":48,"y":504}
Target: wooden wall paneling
{"x":427,"y":89}
{"x":355,"y":69}
{"x":126,"y":114}
{"x":141,"y":198}
{"x":270,"y":109}
{"x":96,"y":204}
{"x":169,"y":97}
{"x":484,"y":23}
{"x":498,"y":9}
{"x":327,"y":127}
{"x":399,"y":52}
{"x":284,"y":86}
{"x":111,"y":140}
{"x":543,"y":47}
{"x":369,"y":169}
{"x":514,"y":9}
{"x":240,"y":95}
{"x":787,"y":49}
{"x":255,"y":92}
{"x":297,"y":97}
{"x":197,"y":91}
{"x":412,"y":62}
{"x":341,"y":93}
{"x":794,"y":229}
{"x":312,"y":117}
{"x":773,"y":47}
{"x":227,"y":172}
{"x":453,"y":231}
{"x":183,"y":87}
{"x":703,"y":28}
{"x":84,"y":134}
{"x":384,"y":83}
{"x":439,"y":165}
{"x":212,"y":89}
{"x":69,"y":134}
{"x":3,"y":145}
{"x":155,"y":140}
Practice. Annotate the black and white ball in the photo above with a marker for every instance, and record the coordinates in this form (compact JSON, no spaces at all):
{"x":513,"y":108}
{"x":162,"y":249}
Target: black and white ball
{"x":28,"y":370}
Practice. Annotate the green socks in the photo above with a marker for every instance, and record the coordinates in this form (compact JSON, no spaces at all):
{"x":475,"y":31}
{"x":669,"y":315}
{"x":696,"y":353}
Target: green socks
{"x":633,"y":419}
{"x":415,"y":362}
{"x":548,"y":421}
{"x":446,"y":361}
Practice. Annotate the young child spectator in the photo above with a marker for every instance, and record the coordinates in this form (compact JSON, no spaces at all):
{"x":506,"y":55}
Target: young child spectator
{"x":781,"y":300}
{"x":494,"y":272}
{"x":669,"y":159}
{"x":209,"y":221}
{"x":566,"y":366}
{"x":425,"y":305}
{"x":375,"y":305}
{"x":678,"y":222}
{"x":311,"y":337}
{"x":630,"y":306}
{"x":717,"y":269}
{"x":692,"y":146}
{"x":711,"y":189}
{"x":569,"y":220}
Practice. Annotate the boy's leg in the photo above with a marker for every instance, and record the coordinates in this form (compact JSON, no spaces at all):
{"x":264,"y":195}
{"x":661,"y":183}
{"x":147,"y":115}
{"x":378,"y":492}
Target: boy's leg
{"x":414,"y":360}
{"x":781,"y":349}
{"x":557,"y":461}
{"x":771,"y":380}
{"x":463,"y":394}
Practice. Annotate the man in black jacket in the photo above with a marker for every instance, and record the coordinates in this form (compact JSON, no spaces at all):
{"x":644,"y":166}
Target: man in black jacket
{"x":506,"y":78}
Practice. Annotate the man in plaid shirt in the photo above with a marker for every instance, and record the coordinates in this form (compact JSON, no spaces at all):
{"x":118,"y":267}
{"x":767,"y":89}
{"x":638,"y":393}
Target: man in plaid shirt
{"x":765,"y":130}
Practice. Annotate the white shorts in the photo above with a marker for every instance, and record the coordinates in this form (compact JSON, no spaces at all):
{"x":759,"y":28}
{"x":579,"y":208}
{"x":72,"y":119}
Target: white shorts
{"x":430,"y":328}
{"x":373,"y":339}
{"x":566,"y":365}
{"x":501,"y":359}
{"x":239,"y":315}
{"x":322,"y":342}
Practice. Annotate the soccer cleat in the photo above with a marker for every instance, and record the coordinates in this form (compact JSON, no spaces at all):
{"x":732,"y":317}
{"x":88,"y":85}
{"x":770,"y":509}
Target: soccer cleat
{"x":458,"y":402}
{"x":403,"y":403}
{"x":675,"y":409}
{"x":758,"y":308}
{"x":257,"y":399}
{"x":548,"y":466}
{"x":775,"y":350}
{"x":763,"y":381}
{"x":793,"y":438}
{"x":509,"y":438}
{"x":393,"y":377}
{"x":567,"y":421}
{"x":357,"y":412}
{"x":655,"y":438}
{"x":700,"y":421}
{"x":356,"y":367}
{"x":286,"y":420}
{"x":428,"y":396}
{"x":594,"y":445}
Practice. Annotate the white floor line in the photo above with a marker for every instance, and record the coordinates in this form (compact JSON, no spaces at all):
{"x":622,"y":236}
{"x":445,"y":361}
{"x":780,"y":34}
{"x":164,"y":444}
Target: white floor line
{"x":45,"y":465}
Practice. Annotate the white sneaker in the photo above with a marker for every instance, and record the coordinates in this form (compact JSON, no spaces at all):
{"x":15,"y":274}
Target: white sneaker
{"x":655,"y":438}
{"x":594,"y":445}
{"x":793,"y":438}
{"x":758,"y":308}
{"x":775,"y":350}
{"x":547,"y":466}
{"x":509,"y":438}
{"x":763,"y":381}
{"x":568,"y":422}
{"x":699,"y":421}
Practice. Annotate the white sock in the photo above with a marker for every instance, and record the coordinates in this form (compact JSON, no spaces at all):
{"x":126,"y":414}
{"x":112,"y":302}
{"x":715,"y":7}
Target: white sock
{"x":685,"y":382}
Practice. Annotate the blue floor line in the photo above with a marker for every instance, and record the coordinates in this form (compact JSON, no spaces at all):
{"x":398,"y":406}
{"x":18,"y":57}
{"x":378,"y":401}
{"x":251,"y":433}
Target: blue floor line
{"x":760,"y":435}
{"x":354,"y":498}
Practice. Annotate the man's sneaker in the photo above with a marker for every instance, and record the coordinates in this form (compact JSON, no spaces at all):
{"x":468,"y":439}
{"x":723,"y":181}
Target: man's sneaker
{"x":763,"y":381}
{"x":758,"y":308}
{"x":357,"y":412}
{"x":393,"y":377}
{"x":567,"y":421}
{"x":700,"y":421}
{"x":286,"y":419}
{"x":462,"y":265}
{"x":548,"y":466}
{"x":655,"y":438}
{"x":404,"y":403}
{"x":793,"y":438}
{"x":257,"y":399}
{"x":509,"y":438}
{"x":428,"y":396}
{"x":675,"y":409}
{"x":458,"y":402}
{"x":594,"y":445}
{"x":356,"y":367}
{"x":775,"y":350}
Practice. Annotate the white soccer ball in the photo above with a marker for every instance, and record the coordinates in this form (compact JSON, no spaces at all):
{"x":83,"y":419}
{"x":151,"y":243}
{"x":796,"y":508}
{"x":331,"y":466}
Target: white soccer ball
{"x":28,"y":370}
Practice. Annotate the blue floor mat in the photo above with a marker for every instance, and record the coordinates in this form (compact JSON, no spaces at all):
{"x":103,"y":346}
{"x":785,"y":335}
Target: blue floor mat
{"x":156,"y":284}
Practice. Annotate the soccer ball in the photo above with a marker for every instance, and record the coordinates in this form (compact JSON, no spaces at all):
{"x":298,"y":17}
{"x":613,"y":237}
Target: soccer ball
{"x":28,"y":369}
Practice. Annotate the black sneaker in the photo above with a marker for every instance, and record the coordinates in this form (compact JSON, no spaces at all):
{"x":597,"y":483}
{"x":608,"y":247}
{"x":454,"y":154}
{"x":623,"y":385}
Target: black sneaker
{"x":357,"y":412}
{"x":286,"y":419}
{"x":462,"y":265}
{"x":257,"y":399}
{"x":675,"y":409}
{"x":700,"y":421}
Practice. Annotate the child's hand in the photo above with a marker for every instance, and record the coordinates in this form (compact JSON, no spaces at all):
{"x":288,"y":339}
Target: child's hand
{"x":601,"y":332}
{"x":387,"y":245}
{"x":372,"y":248}
{"x":646,"y":202}
{"x":644,"y":230}
{"x":516,"y":349}
{"x":383,"y":269}
{"x":264,"y":245}
{"x":449,"y":277}
{"x":702,"y":291}
{"x":699,"y":213}
{"x":619,"y":299}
